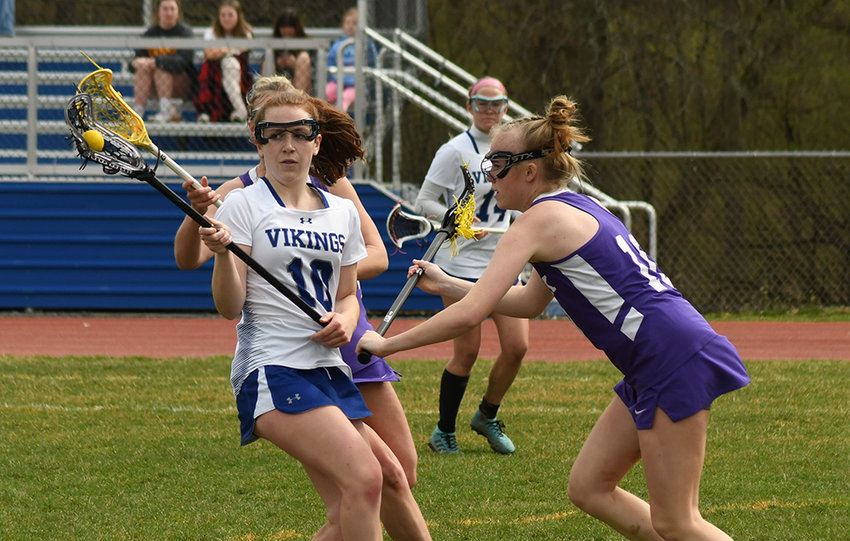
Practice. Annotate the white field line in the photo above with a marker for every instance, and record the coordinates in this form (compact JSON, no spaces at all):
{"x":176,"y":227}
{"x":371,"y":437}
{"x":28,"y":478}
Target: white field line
{"x":113,"y":407}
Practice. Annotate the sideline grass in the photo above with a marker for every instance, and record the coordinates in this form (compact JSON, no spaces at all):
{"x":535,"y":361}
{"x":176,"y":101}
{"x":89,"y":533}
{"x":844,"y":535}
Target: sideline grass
{"x":101,"y":448}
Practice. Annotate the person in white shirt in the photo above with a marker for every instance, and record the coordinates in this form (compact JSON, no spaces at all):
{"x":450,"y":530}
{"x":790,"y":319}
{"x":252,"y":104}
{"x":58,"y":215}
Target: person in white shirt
{"x":487,"y":103}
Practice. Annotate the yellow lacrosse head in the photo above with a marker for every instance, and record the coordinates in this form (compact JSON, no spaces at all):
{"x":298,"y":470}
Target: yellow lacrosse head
{"x":464,"y":215}
{"x":110,"y":109}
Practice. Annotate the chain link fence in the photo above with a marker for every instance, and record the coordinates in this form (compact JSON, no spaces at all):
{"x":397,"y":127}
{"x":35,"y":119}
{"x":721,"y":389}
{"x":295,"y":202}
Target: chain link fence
{"x":742,"y":231}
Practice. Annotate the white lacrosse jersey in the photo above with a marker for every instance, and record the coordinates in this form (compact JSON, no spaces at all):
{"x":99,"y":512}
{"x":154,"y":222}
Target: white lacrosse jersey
{"x":469,"y":147}
{"x":304,"y":249}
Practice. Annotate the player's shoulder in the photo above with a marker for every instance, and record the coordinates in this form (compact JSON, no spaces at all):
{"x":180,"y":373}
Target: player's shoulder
{"x":336,"y":201}
{"x":229,"y":186}
{"x":452,"y":152}
{"x":460,"y":142}
{"x":254,"y":195}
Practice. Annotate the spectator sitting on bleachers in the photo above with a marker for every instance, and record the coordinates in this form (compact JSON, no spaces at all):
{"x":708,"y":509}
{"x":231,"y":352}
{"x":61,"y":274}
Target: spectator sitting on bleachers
{"x":349,"y":26}
{"x":167,"y":73}
{"x":7,"y":18}
{"x":294,"y":65}
{"x":225,"y":77}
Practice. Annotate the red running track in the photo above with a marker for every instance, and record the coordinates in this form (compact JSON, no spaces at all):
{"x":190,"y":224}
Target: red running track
{"x":551,"y":340}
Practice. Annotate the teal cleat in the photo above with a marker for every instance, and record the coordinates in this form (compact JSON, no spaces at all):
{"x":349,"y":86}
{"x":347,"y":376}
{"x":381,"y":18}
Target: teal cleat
{"x":444,"y":443}
{"x":494,"y":431}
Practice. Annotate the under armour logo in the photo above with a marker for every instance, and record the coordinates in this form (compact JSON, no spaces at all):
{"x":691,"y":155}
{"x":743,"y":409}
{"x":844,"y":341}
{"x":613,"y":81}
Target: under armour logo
{"x":306,"y":220}
{"x":291,"y":399}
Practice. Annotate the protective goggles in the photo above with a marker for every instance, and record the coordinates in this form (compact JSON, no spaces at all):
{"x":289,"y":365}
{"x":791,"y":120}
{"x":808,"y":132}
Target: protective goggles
{"x":306,"y":129}
{"x":483,"y":104}
{"x":497,"y":164}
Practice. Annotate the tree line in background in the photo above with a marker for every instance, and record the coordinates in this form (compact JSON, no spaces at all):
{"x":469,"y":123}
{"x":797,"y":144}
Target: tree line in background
{"x":667,"y":75}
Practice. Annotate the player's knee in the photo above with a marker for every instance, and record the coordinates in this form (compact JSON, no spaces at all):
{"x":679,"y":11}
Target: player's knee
{"x":409,"y":467}
{"x":673,"y":527}
{"x":402,"y":470}
{"x":578,"y":494}
{"x":464,"y":355}
{"x":583,"y":491}
{"x":515,"y":351}
{"x":365,"y":483}
{"x":333,"y":513}
{"x":394,"y":477}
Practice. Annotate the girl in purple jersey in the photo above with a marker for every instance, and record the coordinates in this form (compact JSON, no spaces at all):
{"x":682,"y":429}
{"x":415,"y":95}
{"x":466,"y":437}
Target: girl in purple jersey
{"x":674,"y":364}
{"x":399,"y":512}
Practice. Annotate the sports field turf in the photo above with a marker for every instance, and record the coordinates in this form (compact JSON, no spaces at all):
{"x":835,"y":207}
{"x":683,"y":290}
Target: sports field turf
{"x":102,"y":448}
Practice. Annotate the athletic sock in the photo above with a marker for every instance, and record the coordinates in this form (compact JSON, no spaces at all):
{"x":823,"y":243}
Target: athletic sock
{"x":231,"y":72}
{"x":165,"y":107}
{"x":452,"y":388}
{"x":488,"y":410}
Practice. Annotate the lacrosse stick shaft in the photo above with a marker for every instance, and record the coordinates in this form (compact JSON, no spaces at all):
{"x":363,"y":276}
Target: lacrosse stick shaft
{"x":405,"y":292}
{"x":236,"y":250}
{"x":176,"y":167}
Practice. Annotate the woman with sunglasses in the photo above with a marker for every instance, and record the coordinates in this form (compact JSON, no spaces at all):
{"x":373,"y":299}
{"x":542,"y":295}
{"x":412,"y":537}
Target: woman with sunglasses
{"x":487,"y":103}
{"x":674,"y":364}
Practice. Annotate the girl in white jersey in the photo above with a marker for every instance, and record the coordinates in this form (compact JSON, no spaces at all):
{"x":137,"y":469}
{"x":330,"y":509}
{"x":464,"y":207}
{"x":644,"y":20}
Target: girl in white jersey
{"x":399,"y":512}
{"x":487,"y":103}
{"x":673,"y":363}
{"x":291,"y":385}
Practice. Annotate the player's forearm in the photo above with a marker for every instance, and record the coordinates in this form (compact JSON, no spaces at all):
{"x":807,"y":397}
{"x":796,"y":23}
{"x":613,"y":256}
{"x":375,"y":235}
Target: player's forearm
{"x":445,"y":325}
{"x":430,"y":208}
{"x":454,"y":288}
{"x":228,"y":287}
{"x":348,"y":307}
{"x":189,"y":252}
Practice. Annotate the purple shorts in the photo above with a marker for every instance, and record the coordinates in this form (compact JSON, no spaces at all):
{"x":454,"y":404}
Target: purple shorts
{"x":291,"y":390}
{"x":714,"y":370}
{"x":377,"y":368}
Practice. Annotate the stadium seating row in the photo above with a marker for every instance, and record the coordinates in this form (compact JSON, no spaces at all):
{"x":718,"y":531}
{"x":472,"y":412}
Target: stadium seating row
{"x":40,"y":68}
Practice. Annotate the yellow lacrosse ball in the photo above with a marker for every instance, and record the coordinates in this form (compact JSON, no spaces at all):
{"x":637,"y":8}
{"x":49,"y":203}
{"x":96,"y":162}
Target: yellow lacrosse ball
{"x":94,"y":140}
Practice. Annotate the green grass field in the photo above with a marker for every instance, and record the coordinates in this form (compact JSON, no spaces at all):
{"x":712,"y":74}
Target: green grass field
{"x":102,"y":448}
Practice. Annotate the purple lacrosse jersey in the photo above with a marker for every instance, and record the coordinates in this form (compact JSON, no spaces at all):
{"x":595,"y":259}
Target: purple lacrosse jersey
{"x":616,"y":295}
{"x":377,"y":369}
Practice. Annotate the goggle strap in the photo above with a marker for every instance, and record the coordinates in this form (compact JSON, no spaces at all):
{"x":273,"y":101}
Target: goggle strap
{"x":488,"y":98}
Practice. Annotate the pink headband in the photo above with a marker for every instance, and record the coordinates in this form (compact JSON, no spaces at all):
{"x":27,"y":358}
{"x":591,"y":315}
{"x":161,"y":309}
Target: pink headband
{"x":488,"y":81}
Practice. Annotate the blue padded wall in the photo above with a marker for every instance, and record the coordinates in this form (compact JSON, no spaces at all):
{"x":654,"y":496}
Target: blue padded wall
{"x":108,"y":246}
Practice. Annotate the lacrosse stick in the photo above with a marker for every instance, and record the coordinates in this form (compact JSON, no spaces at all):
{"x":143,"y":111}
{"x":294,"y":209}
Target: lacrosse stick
{"x":456,"y":221}
{"x":111,"y":111}
{"x":116,"y":155}
{"x":403,"y":226}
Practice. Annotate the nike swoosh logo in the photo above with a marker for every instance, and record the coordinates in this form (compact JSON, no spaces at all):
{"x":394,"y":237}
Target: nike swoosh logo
{"x":638,"y":412}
